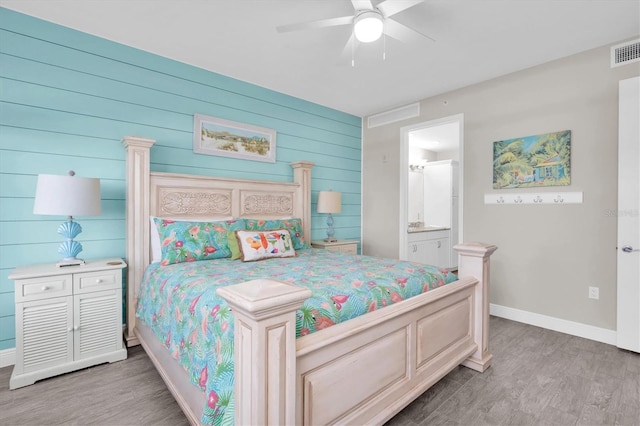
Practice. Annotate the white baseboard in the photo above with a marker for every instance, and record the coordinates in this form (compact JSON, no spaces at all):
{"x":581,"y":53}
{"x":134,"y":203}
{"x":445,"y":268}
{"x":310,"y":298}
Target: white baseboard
{"x":7,"y":357}
{"x":556,"y":324}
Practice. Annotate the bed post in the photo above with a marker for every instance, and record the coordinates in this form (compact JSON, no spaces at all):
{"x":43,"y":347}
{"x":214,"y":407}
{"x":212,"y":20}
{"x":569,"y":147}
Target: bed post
{"x":264,"y":350}
{"x":137,"y":223}
{"x":302,"y":176}
{"x":474,"y":262}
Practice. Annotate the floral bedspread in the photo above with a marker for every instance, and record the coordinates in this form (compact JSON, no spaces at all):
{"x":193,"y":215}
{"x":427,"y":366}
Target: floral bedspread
{"x":180,"y":304}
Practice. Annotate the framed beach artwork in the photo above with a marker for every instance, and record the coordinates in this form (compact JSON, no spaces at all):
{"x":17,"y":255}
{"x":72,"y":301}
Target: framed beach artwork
{"x":533,"y":161}
{"x":216,"y":136}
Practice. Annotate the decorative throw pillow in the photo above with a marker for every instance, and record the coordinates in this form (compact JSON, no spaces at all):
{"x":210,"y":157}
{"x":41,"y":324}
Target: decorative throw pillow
{"x":294,"y":226}
{"x":233,"y":245}
{"x":190,"y":241}
{"x":154,"y":235}
{"x":257,"y":245}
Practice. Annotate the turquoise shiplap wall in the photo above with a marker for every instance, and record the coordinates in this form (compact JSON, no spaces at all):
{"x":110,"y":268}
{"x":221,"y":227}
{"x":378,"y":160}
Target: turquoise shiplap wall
{"x":66,"y":100}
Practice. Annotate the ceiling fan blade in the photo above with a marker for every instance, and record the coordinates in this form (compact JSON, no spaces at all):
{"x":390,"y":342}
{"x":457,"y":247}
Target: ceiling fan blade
{"x":314,"y":25}
{"x":401,"y":32}
{"x":391,"y":7}
{"x":362,"y":4}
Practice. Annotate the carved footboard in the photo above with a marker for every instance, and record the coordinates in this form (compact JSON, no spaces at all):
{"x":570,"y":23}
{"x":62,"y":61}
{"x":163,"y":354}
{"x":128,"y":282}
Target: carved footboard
{"x":361,"y":371}
{"x":370,"y":372}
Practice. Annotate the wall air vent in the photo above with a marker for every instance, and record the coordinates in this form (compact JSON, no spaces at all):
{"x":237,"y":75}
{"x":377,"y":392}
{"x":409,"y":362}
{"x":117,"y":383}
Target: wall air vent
{"x":625,"y":53}
{"x":397,"y":114}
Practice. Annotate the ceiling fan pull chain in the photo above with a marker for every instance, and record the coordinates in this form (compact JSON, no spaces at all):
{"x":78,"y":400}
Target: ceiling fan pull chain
{"x":353,"y":60}
{"x":384,"y":47}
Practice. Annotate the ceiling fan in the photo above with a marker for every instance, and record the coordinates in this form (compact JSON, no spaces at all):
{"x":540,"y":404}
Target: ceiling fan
{"x":369,"y":22}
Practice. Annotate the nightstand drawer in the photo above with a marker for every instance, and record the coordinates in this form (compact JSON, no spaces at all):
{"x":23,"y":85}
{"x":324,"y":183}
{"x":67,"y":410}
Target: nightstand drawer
{"x":43,"y":288}
{"x":96,"y":281}
{"x":348,"y":248}
{"x":344,"y":246}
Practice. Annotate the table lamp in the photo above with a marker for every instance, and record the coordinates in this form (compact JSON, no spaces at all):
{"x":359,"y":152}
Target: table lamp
{"x":68,"y":196}
{"x":329,"y":202}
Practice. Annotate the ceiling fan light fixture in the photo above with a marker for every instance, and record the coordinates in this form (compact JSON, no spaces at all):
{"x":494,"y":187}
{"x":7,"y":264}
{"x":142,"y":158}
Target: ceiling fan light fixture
{"x":367,"y":26}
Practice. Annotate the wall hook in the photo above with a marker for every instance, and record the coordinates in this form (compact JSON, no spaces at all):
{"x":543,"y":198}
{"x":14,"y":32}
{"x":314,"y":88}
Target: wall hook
{"x":537,"y":198}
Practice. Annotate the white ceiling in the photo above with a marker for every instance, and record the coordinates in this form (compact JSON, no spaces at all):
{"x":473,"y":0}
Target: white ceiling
{"x":476,"y":40}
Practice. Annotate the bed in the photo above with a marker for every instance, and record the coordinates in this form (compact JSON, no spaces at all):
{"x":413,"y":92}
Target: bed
{"x":388,"y":356}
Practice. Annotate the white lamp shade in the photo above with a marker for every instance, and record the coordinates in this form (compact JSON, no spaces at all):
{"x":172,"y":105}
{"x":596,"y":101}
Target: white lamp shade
{"x":67,"y":196}
{"x":329,"y":202}
{"x":368,"y":26}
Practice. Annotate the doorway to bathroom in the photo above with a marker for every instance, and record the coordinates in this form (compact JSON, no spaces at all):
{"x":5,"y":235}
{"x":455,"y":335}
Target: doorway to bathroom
{"x":431,"y":196}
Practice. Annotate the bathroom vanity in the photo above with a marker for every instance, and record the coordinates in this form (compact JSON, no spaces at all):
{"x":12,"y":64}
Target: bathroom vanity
{"x":430,"y":245}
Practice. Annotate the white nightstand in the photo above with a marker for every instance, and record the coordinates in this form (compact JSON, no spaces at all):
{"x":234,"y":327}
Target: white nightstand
{"x":345,"y":246}
{"x":67,"y":318}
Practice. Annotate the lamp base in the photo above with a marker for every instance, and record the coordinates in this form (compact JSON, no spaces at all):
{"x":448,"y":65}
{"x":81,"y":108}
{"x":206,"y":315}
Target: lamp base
{"x":69,"y":248}
{"x":330,"y":231}
{"x":70,"y":262}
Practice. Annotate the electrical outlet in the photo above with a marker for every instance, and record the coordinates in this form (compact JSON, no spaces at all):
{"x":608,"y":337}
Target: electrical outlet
{"x":594,"y":293}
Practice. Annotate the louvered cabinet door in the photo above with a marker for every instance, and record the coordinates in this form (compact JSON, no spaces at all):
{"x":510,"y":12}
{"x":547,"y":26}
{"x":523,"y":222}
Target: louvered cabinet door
{"x":45,"y":334}
{"x":97,"y":323}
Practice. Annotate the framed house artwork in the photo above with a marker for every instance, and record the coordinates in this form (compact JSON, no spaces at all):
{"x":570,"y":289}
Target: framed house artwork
{"x":533,"y":161}
{"x":216,"y":136}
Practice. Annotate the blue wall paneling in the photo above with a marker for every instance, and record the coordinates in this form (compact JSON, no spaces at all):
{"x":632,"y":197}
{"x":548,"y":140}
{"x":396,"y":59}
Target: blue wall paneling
{"x":66,"y":100}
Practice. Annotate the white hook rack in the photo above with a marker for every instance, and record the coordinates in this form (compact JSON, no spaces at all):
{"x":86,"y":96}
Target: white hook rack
{"x":534,"y":198}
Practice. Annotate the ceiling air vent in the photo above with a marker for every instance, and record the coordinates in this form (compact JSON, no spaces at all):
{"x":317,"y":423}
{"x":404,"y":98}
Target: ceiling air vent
{"x":625,"y":53}
{"x":394,"y":115}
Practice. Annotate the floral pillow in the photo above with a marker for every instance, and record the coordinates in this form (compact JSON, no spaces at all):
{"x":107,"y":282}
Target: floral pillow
{"x":294,"y":226}
{"x":183,"y":241}
{"x":257,"y":245}
{"x":156,"y":250}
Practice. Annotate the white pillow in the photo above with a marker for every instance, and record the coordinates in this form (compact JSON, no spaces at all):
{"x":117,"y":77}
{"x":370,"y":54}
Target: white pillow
{"x":154,"y":236}
{"x":156,"y":250}
{"x":257,"y":245}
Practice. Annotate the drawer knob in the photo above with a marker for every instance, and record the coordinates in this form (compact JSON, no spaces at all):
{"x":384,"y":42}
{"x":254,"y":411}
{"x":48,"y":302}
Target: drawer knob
{"x":45,"y":287}
{"x":98,"y":281}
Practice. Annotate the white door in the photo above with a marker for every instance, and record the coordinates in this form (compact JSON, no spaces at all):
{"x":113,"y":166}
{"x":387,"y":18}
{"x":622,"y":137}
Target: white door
{"x":628,"y":330}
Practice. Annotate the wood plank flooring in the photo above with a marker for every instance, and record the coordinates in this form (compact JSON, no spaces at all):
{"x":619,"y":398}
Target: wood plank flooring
{"x":538,"y":377}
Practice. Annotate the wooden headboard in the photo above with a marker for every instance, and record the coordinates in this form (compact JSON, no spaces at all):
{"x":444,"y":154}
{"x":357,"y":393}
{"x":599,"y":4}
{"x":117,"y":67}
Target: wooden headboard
{"x":180,"y":196}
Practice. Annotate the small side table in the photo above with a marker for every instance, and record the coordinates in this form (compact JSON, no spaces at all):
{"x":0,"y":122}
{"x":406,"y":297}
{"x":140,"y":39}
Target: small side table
{"x":67,"y":318}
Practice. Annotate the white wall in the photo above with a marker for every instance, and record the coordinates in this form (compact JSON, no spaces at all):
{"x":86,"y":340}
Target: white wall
{"x":548,"y":255}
